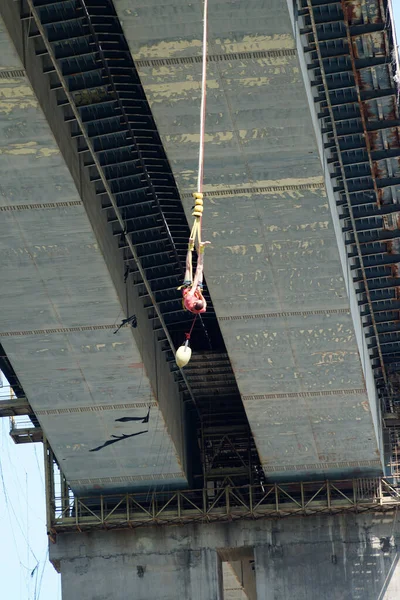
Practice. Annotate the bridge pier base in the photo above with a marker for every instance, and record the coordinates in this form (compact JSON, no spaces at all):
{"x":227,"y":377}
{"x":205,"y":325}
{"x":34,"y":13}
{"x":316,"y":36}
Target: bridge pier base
{"x":345,"y":558}
{"x":340,"y":557}
{"x":307,"y":571}
{"x":105,"y":571}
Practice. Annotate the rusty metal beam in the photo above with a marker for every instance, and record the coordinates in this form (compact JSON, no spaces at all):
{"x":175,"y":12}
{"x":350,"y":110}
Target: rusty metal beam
{"x":360,"y":103}
{"x":346,"y":189}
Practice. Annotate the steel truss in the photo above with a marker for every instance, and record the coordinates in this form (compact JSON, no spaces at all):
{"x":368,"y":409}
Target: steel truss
{"x":69,"y":513}
{"x":350,"y":49}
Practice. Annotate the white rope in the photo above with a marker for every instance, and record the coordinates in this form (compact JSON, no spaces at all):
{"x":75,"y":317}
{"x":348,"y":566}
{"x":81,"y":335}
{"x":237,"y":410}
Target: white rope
{"x":203,"y":101}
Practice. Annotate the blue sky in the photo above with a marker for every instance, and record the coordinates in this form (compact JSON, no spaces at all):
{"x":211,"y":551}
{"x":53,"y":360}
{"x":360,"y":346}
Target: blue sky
{"x":396,"y":11}
{"x":25,"y":572}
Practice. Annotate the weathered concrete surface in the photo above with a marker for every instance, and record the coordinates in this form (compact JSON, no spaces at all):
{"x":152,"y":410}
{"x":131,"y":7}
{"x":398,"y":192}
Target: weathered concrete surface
{"x":59,"y":302}
{"x":186,"y":574}
{"x":238,"y":571}
{"x":276,"y":266}
{"x":233,"y":589}
{"x":346,"y":557}
{"x":339,"y":569}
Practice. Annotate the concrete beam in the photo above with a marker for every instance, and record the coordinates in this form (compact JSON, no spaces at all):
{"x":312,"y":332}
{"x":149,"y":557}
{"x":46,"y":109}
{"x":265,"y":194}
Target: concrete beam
{"x":277,"y":267}
{"x":63,"y":292}
{"x":15,"y":407}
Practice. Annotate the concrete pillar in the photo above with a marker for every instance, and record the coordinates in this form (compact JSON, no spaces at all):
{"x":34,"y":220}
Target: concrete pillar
{"x":342,"y":557}
{"x":366,"y":568}
{"x":101,"y":566}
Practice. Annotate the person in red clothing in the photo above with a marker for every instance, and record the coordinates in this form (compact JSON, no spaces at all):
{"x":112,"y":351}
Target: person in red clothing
{"x":193,"y":299}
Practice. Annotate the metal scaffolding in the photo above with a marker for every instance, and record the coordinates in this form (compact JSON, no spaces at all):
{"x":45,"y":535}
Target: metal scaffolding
{"x":66,"y":512}
{"x":351,"y":56}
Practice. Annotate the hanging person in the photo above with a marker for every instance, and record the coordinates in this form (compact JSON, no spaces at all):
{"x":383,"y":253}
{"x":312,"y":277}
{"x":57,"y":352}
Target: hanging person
{"x":192,"y":291}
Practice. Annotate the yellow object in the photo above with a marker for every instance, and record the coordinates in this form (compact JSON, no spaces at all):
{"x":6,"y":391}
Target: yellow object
{"x":198,"y":205}
{"x":183,"y":355}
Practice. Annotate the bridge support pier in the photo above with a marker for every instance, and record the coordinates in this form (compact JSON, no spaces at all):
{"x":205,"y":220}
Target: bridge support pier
{"x":96,"y":569}
{"x":341,"y":557}
{"x":345,"y":558}
{"x":306,"y":571}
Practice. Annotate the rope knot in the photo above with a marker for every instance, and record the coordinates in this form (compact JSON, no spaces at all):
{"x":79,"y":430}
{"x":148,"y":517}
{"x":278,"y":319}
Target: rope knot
{"x":198,"y":205}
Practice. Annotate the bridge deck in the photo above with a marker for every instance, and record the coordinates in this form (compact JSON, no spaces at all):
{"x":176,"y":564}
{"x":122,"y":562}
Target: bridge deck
{"x":59,"y":308}
{"x":280,"y":282}
{"x":275,"y":267}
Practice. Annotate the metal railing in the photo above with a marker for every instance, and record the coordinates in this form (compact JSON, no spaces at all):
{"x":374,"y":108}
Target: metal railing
{"x":226,"y":504}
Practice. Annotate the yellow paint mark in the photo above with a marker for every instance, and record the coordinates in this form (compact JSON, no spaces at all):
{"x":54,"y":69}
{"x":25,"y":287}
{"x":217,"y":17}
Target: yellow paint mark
{"x":237,"y":249}
{"x":289,"y":181}
{"x":76,"y":447}
{"x":115,"y":344}
{"x":257,"y":43}
{"x":18,"y":96}
{"x":330,"y":358}
{"x":249,"y":82}
{"x":46,"y":152}
{"x":249,"y":43}
{"x":168,"y":49}
{"x":177,"y":90}
{"x":17,"y":91}
{"x":26,"y":148}
{"x":193,"y":138}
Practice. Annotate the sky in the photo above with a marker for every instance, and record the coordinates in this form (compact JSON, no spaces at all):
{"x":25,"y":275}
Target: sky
{"x":396,"y":14}
{"x":25,"y":571}
{"x":396,"y":10}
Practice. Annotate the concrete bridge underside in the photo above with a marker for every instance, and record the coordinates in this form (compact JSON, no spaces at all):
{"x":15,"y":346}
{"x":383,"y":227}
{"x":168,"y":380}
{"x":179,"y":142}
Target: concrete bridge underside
{"x":276,"y":270}
{"x":60,"y":306}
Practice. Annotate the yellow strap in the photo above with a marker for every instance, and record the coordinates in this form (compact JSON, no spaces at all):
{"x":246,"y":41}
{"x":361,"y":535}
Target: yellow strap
{"x":195,"y":230}
{"x":197,"y":214}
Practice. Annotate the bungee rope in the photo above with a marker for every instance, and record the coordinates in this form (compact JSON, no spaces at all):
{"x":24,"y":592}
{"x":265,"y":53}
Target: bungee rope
{"x":198,"y":195}
{"x":193,"y":299}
